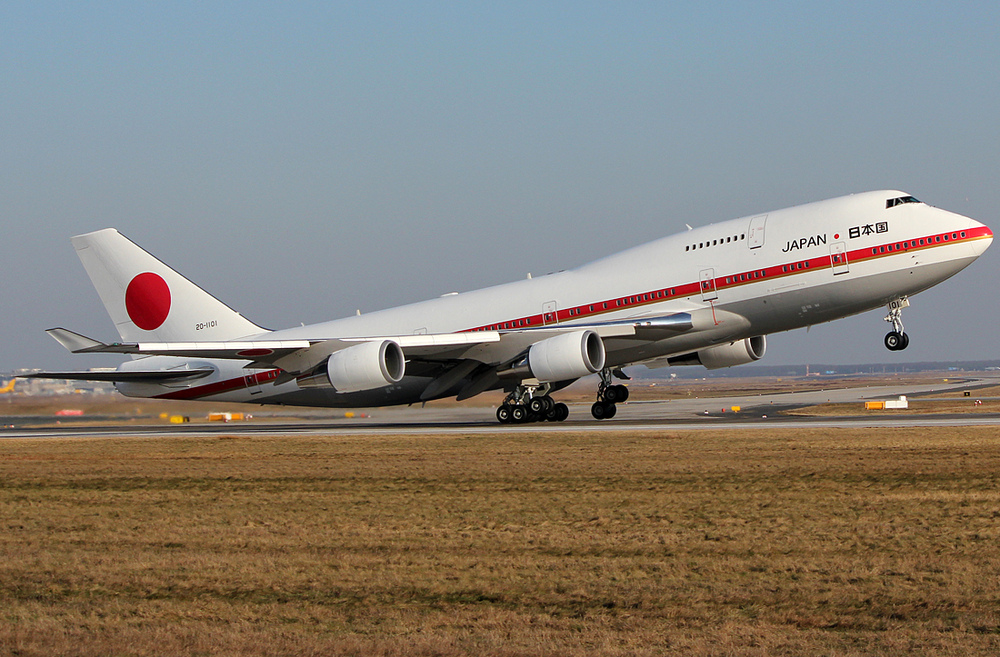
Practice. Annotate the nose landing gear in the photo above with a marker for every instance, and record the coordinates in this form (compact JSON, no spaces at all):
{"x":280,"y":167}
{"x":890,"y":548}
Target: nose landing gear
{"x":608,"y":395}
{"x":896,"y":339}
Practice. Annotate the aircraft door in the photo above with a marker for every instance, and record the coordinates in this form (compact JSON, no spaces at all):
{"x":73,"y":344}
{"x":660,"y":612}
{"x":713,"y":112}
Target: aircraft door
{"x":253,"y":385}
{"x":708,"y":291}
{"x":755,"y":234}
{"x":549,"y":312}
{"x":838,"y":258}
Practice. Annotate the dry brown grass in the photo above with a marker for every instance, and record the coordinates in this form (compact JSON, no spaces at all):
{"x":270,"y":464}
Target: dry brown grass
{"x":696,"y":543}
{"x":989,"y":391}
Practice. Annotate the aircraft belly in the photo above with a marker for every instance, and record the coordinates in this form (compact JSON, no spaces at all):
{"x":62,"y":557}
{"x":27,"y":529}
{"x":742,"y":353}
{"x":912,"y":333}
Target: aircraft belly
{"x":788,"y":309}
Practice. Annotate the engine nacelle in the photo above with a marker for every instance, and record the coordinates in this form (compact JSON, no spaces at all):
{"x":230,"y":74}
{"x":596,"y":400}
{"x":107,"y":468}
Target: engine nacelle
{"x":365,"y":366}
{"x":567,"y":356}
{"x":727,"y":355}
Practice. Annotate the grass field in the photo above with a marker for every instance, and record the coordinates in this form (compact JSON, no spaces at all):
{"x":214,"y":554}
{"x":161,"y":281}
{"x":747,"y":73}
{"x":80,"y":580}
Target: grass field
{"x":781,"y":542}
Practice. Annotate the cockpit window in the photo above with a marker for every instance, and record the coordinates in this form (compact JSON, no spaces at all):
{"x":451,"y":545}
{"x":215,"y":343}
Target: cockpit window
{"x":893,"y":202}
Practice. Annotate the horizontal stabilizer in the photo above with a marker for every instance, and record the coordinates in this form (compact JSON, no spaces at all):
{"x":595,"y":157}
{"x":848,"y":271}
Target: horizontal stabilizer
{"x":235,"y":350}
{"x":74,"y":342}
{"x":150,"y":376}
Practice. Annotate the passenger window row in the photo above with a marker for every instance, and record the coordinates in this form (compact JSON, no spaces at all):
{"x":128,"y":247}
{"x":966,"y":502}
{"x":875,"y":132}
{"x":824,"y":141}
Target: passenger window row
{"x":911,"y":244}
{"x":705,"y":245}
{"x":748,"y":276}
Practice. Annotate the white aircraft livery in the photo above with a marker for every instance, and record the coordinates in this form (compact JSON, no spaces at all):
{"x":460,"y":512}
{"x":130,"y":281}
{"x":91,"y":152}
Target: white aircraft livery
{"x":708,"y":296}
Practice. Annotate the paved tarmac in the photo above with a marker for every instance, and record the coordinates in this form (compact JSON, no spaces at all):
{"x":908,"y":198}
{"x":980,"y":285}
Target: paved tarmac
{"x":710,"y":413}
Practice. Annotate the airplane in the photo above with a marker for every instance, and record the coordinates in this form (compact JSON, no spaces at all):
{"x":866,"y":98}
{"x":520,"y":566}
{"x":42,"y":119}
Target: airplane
{"x":707,"y":296}
{"x":8,"y":387}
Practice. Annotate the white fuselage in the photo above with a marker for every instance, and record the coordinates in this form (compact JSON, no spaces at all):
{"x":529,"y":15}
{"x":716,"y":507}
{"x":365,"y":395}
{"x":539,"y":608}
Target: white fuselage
{"x":740,"y":278}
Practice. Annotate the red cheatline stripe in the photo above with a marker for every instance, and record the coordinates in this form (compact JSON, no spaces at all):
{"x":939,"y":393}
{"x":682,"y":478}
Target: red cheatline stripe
{"x":220,"y":387}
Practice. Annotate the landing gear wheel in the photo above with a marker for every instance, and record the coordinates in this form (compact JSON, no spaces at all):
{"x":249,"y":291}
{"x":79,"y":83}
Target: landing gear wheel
{"x":603,"y":410}
{"x":518,"y":413}
{"x":609,"y":393}
{"x":614,"y":394}
{"x":540,"y":405}
{"x":896,"y":341}
{"x":558,"y":413}
{"x":503,"y":414}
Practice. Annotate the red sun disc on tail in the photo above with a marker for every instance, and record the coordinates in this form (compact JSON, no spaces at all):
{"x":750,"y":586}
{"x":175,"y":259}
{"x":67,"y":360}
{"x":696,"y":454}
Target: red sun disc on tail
{"x":147,"y":301}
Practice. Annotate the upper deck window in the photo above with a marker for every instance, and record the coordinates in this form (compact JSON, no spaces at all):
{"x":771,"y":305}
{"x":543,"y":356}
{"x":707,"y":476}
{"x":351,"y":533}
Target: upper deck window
{"x":893,"y":202}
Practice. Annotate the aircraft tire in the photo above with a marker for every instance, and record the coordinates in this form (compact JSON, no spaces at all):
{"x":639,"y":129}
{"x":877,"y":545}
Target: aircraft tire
{"x":518,"y":413}
{"x":894,"y":341}
{"x":906,"y":341}
{"x":558,"y":413}
{"x":615,"y":394}
{"x":540,"y":404}
{"x":503,"y":414}
{"x":603,"y":410}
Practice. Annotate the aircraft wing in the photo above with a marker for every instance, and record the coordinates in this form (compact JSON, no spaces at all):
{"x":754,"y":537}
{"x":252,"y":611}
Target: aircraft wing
{"x":296,"y":356}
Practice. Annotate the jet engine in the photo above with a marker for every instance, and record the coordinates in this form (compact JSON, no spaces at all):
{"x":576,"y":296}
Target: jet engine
{"x":364,"y":366}
{"x":566,"y":356}
{"x":727,"y":355}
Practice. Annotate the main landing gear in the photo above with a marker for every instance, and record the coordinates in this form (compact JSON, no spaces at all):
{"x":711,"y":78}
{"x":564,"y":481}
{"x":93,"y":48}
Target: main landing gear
{"x":896,"y":339}
{"x":608,"y":395}
{"x":531,"y":404}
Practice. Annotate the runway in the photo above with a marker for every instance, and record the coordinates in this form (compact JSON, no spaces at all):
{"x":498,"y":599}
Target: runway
{"x":711,"y":413}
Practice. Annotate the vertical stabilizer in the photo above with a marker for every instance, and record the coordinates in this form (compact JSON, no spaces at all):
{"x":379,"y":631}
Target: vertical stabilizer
{"x":150,"y":302}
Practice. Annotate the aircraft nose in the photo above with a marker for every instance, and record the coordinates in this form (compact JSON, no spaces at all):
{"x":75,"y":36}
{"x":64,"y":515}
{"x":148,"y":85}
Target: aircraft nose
{"x":984,"y":239}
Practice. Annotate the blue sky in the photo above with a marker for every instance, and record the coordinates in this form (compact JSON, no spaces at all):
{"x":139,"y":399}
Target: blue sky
{"x":303,"y":160}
